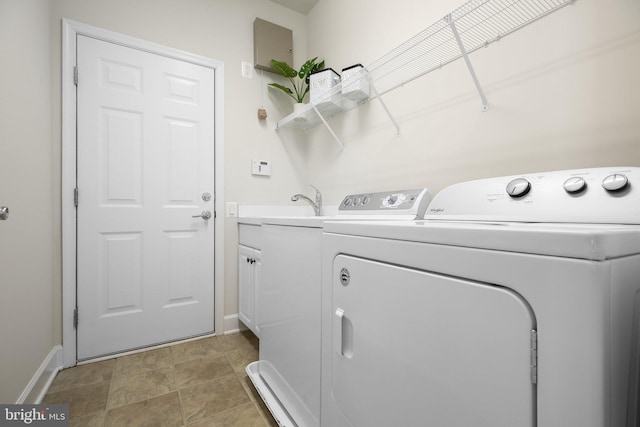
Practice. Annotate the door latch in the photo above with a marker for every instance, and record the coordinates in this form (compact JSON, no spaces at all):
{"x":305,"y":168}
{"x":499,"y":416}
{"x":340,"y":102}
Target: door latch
{"x":4,"y":212}
{"x":204,"y":215}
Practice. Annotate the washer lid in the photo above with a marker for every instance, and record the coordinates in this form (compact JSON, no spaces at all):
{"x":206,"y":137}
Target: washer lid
{"x":583,"y":241}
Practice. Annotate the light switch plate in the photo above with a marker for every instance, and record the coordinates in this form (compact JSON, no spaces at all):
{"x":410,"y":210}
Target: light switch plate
{"x":261,"y":167}
{"x":231,"y":209}
{"x":246,"y":70}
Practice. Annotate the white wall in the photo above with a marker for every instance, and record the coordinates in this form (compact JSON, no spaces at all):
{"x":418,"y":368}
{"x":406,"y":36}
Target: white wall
{"x":563,"y":93}
{"x":27,"y":330}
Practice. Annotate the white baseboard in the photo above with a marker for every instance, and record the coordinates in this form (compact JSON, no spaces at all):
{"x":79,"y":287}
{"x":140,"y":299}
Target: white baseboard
{"x":232,"y":324}
{"x":42,"y":379}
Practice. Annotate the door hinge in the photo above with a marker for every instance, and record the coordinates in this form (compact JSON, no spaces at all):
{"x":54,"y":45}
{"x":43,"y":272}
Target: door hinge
{"x":75,"y":318}
{"x":75,"y":75}
{"x":75,"y":197}
{"x":534,"y":356}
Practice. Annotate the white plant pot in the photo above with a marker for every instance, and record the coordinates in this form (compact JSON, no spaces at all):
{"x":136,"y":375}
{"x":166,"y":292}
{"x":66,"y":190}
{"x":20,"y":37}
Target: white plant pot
{"x":298,"y":107}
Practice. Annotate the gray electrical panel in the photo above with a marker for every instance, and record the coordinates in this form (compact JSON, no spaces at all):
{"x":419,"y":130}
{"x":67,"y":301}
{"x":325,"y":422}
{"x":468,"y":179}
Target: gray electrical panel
{"x":271,"y":41}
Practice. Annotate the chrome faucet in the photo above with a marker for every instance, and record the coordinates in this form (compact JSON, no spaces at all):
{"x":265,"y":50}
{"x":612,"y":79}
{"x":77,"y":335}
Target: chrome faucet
{"x":316,"y":205}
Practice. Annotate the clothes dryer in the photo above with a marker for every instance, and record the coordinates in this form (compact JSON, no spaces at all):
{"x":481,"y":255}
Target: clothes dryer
{"x":516,"y":302}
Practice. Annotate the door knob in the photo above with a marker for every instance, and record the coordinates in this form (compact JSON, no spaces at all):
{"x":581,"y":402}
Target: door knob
{"x":204,"y":215}
{"x":4,"y":212}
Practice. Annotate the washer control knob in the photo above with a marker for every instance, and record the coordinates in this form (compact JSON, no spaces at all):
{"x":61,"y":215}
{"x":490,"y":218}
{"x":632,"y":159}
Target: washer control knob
{"x":518,"y":187}
{"x":615,"y":182}
{"x":347,"y":202}
{"x":366,"y":200}
{"x":575,"y":185}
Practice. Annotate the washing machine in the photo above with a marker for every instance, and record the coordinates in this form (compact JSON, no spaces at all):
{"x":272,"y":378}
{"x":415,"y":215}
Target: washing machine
{"x":287,"y":374}
{"x":514,"y":303}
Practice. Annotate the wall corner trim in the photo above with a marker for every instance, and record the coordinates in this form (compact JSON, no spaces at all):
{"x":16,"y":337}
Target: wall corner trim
{"x":43,"y":377}
{"x":232,"y":324}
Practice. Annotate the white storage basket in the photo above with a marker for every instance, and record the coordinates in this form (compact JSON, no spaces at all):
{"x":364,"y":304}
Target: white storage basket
{"x":355,"y":84}
{"x":321,"y":82}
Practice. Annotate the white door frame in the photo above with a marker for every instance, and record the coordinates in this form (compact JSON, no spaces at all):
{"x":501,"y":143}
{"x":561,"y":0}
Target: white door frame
{"x":70,"y":29}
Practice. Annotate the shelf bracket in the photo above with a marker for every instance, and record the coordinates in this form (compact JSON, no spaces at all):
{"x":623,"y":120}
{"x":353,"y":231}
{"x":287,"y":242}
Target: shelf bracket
{"x":452,"y":24}
{"x":328,"y":127}
{"x":375,"y":92}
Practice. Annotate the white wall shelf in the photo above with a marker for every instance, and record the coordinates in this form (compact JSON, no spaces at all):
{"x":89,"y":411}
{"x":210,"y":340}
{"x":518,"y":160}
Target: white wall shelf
{"x":474,"y":25}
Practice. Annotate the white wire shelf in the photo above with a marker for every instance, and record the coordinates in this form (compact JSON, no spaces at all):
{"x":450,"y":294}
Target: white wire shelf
{"x":474,"y":25}
{"x":307,"y":117}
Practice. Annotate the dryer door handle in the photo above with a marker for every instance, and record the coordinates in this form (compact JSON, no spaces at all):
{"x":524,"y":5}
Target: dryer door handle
{"x":343,"y":334}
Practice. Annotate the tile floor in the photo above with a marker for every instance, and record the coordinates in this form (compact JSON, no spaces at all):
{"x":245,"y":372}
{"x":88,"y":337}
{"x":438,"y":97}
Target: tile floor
{"x":198,"y":383}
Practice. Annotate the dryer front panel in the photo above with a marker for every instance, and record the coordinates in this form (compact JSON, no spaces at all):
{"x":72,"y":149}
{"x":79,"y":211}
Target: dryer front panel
{"x":414,"y":348}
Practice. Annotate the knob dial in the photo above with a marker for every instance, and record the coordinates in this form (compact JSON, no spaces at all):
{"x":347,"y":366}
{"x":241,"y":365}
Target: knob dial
{"x":390,"y":201}
{"x":518,"y":187}
{"x":575,"y":185}
{"x":615,"y":182}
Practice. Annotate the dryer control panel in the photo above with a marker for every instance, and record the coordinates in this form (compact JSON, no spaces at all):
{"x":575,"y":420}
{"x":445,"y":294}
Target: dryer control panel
{"x":608,"y":195}
{"x":410,"y":202}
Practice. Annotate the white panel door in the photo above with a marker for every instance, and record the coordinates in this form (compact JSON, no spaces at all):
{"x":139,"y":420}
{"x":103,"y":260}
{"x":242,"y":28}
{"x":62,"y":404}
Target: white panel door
{"x":411,"y":348}
{"x":145,"y":160}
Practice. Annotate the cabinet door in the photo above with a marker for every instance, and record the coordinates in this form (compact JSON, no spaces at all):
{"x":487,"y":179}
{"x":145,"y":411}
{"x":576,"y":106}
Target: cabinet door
{"x":246,"y":289}
{"x":257,"y":267}
{"x":413,"y":348}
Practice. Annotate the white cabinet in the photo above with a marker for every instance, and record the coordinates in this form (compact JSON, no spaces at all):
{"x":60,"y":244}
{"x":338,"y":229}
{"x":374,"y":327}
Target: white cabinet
{"x":249,"y":264}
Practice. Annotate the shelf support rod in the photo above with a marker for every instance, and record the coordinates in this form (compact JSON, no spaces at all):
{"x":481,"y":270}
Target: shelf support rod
{"x":328,"y":127}
{"x":452,"y":24}
{"x":377,"y":95}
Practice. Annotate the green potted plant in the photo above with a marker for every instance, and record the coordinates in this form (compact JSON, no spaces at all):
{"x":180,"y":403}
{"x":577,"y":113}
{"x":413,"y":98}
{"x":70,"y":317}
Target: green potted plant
{"x":298,"y":79}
